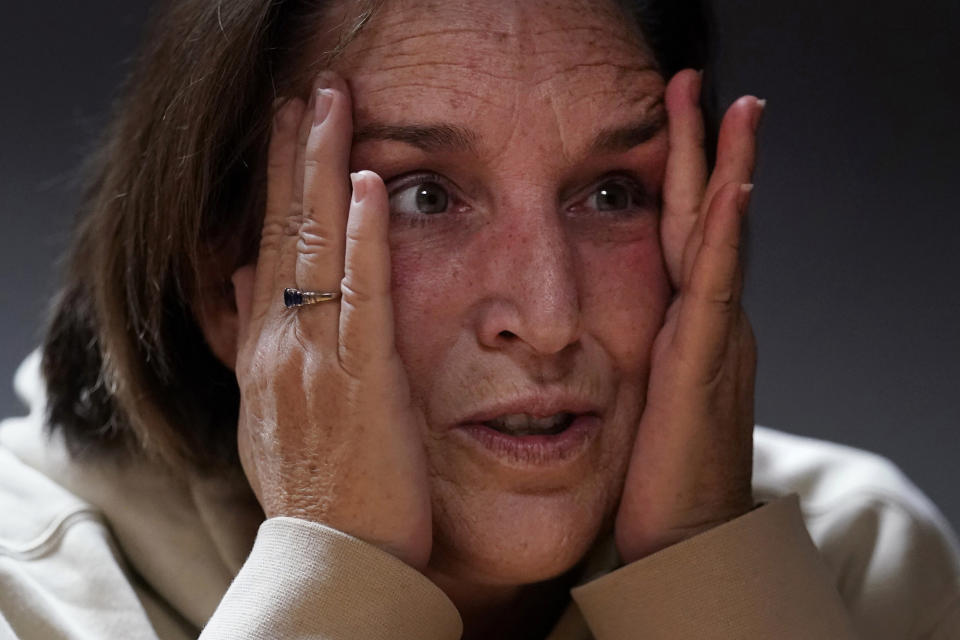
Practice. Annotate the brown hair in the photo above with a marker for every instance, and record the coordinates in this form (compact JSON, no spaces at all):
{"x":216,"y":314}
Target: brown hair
{"x":174,"y":206}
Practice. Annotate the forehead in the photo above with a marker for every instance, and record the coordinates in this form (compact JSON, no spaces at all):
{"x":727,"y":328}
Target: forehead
{"x":525,"y":63}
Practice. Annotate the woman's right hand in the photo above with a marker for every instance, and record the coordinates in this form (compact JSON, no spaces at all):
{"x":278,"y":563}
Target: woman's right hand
{"x":327,"y":429}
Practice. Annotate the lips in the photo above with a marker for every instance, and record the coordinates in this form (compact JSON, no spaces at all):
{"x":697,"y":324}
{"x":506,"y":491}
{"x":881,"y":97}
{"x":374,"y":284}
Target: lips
{"x":523,"y":424}
{"x":533,"y":415}
{"x":538,"y":452}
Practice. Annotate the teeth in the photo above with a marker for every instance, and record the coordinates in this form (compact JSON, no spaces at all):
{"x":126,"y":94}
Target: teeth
{"x":522,"y":424}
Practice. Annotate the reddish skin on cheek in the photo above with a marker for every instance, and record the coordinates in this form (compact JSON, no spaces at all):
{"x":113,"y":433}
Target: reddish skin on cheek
{"x":618,"y":283}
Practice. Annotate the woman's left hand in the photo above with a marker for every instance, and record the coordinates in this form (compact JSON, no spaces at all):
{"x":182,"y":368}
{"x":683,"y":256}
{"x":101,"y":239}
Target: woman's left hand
{"x":691,"y":465}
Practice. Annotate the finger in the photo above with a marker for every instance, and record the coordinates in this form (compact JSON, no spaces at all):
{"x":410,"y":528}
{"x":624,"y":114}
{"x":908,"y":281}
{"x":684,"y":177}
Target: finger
{"x":685,"y":177}
{"x":281,"y":161}
{"x":286,"y":273}
{"x":366,"y":313}
{"x":711,"y":298}
{"x":736,"y":145}
{"x":326,"y":197}
{"x":736,"y":159}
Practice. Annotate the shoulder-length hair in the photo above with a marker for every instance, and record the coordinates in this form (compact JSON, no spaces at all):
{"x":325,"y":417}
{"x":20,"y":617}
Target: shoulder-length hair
{"x":175,"y":204}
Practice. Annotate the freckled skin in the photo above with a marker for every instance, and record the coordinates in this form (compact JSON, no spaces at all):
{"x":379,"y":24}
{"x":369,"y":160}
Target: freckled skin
{"x":515,"y":293}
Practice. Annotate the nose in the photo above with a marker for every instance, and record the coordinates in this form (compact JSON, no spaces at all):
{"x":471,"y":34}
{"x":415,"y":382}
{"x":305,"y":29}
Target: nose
{"x":532,"y":300}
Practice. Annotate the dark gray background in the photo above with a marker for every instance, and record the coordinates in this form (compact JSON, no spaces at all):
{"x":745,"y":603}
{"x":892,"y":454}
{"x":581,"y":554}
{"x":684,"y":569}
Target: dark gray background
{"x":854,"y":234}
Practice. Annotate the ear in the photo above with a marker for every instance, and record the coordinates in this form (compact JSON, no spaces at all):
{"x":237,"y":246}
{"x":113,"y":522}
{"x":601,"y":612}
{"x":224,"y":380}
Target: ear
{"x":216,"y":314}
{"x":224,"y":315}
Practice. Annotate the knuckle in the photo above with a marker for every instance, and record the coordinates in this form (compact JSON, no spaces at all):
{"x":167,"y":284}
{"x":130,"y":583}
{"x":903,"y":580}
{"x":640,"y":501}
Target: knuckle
{"x":721,"y":297}
{"x":357,"y":235}
{"x":276,"y":229}
{"x":277,"y":165}
{"x":313,"y":163}
{"x":314,"y":237}
{"x":273,"y":228}
{"x":355,"y":296}
{"x":712,"y":293}
{"x":293,"y":223}
{"x":271,"y":238}
{"x":308,"y":338}
{"x":727,"y":248}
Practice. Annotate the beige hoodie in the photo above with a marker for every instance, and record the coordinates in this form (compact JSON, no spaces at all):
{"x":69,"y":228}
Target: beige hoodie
{"x":845,"y":547}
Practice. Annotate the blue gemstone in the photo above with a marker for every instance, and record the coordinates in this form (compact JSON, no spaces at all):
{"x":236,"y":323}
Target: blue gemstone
{"x":292,"y":298}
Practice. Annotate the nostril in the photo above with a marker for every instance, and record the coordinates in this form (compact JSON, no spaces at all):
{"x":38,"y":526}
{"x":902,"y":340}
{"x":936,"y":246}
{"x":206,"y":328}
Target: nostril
{"x":507,"y":335}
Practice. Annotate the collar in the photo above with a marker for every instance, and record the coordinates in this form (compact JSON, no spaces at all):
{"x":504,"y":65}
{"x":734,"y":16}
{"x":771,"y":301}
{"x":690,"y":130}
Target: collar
{"x":186,"y":536}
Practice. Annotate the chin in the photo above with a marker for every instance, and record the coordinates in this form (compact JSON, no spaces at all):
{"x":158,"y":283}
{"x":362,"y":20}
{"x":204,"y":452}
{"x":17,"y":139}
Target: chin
{"x":483,"y":536}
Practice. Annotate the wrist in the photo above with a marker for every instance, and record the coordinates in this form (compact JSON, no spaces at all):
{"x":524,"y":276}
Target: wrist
{"x":639,"y":546}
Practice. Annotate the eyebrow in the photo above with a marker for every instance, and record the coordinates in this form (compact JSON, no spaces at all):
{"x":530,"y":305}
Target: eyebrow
{"x":429,"y":138}
{"x":452,"y":138}
{"x":626,"y":137}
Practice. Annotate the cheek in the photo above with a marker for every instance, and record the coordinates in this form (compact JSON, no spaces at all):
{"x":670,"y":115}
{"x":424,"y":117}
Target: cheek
{"x":625,"y":292}
{"x":428,"y":290}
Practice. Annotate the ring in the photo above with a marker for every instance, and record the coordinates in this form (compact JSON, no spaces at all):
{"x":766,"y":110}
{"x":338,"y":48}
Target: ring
{"x":293,"y":298}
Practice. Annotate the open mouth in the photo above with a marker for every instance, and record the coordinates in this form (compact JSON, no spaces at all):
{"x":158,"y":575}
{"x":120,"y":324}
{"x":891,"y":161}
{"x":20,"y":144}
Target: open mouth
{"x":522,"y":424}
{"x":555,"y":437}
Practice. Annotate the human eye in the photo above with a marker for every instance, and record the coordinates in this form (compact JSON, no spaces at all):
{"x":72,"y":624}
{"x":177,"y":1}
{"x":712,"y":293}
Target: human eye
{"x":617,"y":195}
{"x":422,"y":194}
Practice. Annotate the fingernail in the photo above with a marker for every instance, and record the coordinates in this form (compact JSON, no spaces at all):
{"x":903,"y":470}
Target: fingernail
{"x":758,"y":112}
{"x":359,"y":188}
{"x":695,"y":88}
{"x":322,"y":102}
{"x":744,"y":197}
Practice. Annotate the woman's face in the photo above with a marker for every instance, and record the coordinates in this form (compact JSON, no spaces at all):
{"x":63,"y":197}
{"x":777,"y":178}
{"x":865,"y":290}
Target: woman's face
{"x":523,"y":144}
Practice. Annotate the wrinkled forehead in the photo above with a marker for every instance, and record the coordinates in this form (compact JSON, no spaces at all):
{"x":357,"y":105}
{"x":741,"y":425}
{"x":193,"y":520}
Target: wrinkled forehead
{"x":567,"y":62}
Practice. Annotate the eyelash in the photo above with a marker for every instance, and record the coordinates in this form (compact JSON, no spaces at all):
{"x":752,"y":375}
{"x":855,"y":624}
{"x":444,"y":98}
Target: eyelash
{"x":401,"y":183}
{"x":641,"y":198}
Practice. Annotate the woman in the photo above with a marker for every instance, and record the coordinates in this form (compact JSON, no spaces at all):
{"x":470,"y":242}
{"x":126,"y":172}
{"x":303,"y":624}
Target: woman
{"x":531,"y":368}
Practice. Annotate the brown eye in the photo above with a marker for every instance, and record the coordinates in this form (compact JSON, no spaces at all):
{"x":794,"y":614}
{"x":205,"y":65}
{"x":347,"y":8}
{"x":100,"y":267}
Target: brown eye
{"x":423,"y":198}
{"x":612,"y":195}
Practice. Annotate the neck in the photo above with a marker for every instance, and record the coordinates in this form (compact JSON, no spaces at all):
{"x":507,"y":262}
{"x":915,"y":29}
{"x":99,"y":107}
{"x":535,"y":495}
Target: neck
{"x":507,"y":612}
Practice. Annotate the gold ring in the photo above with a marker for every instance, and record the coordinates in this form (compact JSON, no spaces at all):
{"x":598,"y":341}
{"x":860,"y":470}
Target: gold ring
{"x":293,"y":298}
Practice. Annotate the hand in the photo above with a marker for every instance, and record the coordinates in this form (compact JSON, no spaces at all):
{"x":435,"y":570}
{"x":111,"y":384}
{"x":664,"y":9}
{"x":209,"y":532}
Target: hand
{"x":327,"y":431}
{"x":691,"y":465}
